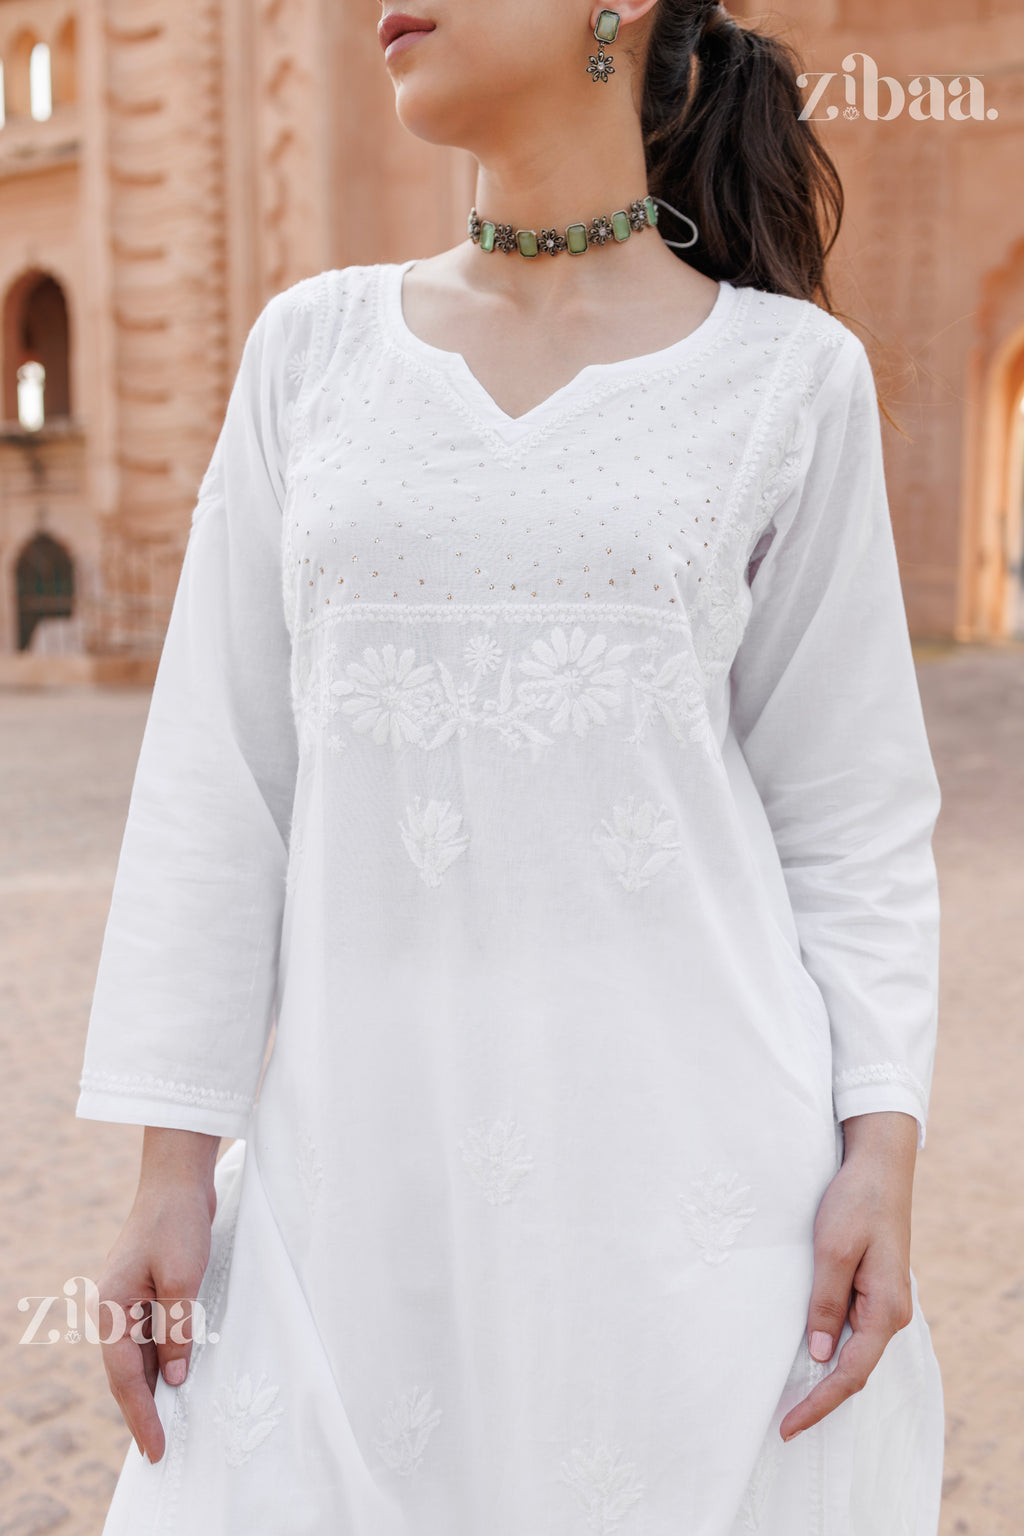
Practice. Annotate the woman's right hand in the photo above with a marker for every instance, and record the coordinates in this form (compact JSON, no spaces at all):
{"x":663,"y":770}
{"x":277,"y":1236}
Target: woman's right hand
{"x":160,"y":1254}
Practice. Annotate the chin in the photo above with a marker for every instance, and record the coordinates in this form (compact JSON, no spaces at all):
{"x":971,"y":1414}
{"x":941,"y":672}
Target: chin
{"x":431,"y":115}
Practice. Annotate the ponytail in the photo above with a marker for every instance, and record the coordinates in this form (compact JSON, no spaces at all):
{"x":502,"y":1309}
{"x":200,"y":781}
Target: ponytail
{"x":725,"y":144}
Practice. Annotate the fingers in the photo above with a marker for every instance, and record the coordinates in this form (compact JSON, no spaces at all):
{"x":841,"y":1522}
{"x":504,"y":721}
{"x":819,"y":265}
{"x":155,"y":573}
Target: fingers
{"x":857,"y":1359}
{"x":834,"y":1268}
{"x":151,"y":1286}
{"x":150,"y":1334}
{"x":861,"y":1274}
{"x":130,"y":1386}
{"x":874,"y":1318}
{"x":172,"y":1330}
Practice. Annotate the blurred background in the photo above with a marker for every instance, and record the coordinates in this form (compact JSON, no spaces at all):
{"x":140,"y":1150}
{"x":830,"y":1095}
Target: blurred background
{"x":168,"y":165}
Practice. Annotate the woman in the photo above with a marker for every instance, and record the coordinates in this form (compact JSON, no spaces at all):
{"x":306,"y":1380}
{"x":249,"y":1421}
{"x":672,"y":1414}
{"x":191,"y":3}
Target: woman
{"x":536,"y":745}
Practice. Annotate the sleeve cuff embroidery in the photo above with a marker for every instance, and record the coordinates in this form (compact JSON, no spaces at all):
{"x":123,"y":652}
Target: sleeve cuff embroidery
{"x":146,"y":1086}
{"x":880,"y":1087}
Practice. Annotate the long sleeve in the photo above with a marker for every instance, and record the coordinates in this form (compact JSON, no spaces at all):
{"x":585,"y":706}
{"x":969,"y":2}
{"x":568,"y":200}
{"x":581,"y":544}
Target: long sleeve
{"x":185,"y":989}
{"x":827,"y":712}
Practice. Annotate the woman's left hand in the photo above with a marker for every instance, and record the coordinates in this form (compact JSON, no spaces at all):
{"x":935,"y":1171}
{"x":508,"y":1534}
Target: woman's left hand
{"x":861,"y":1259}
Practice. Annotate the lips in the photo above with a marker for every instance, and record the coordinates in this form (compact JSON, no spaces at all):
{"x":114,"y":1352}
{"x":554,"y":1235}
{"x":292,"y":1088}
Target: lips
{"x":397,"y":24}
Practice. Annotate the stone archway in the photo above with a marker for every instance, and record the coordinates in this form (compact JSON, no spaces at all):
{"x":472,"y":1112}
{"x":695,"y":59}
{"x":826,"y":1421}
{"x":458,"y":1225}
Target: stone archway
{"x":45,"y":581}
{"x":992,"y":524}
{"x":1013,"y":498}
{"x":35,"y":329}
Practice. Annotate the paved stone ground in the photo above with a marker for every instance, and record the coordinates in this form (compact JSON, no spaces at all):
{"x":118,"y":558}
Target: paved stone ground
{"x":66,"y":764}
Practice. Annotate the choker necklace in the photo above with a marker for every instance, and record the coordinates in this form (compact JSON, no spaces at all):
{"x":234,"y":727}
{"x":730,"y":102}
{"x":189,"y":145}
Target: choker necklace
{"x":642,"y":214}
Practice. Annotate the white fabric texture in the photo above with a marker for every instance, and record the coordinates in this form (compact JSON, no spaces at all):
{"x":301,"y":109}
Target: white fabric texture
{"x":555,"y":792}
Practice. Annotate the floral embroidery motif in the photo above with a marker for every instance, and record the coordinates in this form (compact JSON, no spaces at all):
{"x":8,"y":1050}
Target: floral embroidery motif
{"x":296,"y":366}
{"x":577,"y":681}
{"x":567,"y":684}
{"x":247,"y":1415}
{"x":496,"y":1157}
{"x":311,"y":1169}
{"x":638,"y":842}
{"x":671,"y":689}
{"x":432,"y":838}
{"x":761,"y":1478}
{"x":482,"y":654}
{"x":604,"y":1484}
{"x":716,"y":1213}
{"x":405,"y":1427}
{"x":727,"y":607}
{"x":385,"y":696}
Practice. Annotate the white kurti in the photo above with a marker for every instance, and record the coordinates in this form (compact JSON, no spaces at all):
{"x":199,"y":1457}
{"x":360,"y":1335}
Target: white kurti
{"x":559,"y":787}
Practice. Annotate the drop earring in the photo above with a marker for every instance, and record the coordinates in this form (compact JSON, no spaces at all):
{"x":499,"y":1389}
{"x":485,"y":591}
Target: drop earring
{"x":606,"y":31}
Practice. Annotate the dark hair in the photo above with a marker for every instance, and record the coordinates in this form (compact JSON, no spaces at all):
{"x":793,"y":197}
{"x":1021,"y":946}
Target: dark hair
{"x":725,"y":144}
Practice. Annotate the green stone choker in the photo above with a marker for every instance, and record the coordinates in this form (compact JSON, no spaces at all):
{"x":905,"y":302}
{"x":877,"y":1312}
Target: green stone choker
{"x":577,"y":238}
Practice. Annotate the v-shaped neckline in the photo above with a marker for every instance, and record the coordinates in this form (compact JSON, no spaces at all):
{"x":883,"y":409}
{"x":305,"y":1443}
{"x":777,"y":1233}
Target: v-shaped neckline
{"x":454,"y":368}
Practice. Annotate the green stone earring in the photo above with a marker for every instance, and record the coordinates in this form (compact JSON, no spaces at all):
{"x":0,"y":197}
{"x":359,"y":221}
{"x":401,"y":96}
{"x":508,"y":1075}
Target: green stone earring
{"x":606,"y":31}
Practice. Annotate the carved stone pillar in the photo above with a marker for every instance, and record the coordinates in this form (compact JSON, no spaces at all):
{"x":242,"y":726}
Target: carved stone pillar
{"x":161,"y":179}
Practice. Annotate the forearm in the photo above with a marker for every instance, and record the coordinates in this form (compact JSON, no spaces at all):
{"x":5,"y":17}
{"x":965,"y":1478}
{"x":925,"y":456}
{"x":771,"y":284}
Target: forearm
{"x":880,"y":1154}
{"x":182,"y":1159}
{"x":887,"y":1137}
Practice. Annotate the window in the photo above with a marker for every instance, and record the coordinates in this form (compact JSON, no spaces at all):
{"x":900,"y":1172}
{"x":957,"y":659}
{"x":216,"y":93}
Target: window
{"x":31,"y":383}
{"x":45,"y":577}
{"x":40,"y":91}
{"x":35,"y":351}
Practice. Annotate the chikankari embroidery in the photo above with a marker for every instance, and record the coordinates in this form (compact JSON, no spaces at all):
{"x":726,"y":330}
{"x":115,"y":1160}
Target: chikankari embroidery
{"x":638,"y":842}
{"x":880,"y":1072}
{"x":496,"y":1156}
{"x":765,"y":1471}
{"x":604,"y":1484}
{"x":310,"y":1169}
{"x":246,"y":1413}
{"x":715,"y":1213}
{"x":563,"y":684}
{"x":432,"y":838}
{"x":406,"y":1425}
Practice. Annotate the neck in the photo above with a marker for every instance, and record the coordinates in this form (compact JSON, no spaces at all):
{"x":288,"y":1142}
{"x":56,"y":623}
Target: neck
{"x":555,"y":198}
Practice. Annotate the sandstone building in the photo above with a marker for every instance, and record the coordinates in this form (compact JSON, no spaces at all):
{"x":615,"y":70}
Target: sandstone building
{"x":166,"y":167}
